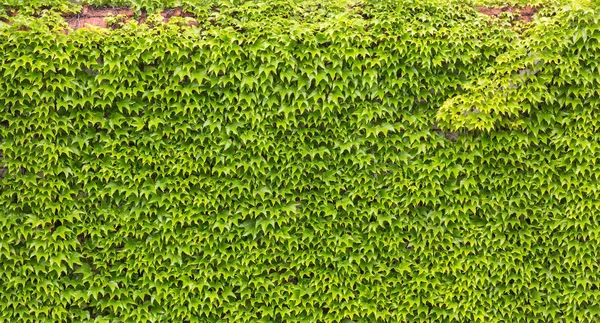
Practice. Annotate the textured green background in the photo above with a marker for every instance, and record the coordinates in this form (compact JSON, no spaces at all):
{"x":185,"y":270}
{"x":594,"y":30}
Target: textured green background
{"x":309,"y":161}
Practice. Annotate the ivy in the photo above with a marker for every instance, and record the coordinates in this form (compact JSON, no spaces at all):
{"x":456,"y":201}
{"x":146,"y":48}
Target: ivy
{"x":300,"y":161}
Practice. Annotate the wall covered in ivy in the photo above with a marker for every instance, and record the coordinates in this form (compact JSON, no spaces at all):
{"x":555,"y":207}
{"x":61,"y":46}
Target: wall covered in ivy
{"x":310,"y":161}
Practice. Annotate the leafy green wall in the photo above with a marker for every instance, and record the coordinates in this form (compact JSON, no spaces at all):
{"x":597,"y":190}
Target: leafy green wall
{"x":302,"y":162}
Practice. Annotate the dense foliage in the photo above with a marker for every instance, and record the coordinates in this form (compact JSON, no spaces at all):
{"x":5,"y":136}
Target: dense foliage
{"x":310,"y":161}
